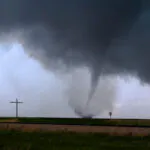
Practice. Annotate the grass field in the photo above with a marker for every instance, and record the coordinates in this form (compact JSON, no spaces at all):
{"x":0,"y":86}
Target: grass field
{"x":15,"y":140}
{"x":78,"y":121}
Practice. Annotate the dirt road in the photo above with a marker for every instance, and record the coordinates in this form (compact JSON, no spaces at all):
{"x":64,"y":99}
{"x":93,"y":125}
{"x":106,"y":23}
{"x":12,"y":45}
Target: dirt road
{"x":77,"y":128}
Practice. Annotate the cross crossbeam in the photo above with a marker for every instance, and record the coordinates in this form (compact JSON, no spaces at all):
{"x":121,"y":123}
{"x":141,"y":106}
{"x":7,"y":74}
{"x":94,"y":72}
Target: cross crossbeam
{"x":17,"y":104}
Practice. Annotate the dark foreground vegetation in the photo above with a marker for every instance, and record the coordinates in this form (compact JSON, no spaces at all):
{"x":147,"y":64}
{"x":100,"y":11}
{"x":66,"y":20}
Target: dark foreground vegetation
{"x":17,"y":140}
{"x":85,"y":121}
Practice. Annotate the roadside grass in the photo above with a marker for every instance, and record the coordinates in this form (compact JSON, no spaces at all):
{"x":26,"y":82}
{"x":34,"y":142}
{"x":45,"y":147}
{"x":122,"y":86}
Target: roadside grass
{"x":18,"y":140}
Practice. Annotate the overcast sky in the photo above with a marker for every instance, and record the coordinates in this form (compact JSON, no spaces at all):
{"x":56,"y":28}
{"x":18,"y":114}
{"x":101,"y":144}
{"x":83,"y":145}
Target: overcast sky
{"x":44,"y":93}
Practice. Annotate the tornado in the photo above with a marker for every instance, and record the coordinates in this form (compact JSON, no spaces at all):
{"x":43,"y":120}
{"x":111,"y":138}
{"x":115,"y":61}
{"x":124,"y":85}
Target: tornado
{"x":92,"y":33}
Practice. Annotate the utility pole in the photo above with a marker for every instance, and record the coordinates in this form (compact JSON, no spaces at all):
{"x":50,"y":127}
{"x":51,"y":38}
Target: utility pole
{"x":16,"y":102}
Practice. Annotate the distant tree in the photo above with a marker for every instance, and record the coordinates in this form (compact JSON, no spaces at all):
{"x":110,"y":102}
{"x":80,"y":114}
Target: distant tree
{"x":110,"y":114}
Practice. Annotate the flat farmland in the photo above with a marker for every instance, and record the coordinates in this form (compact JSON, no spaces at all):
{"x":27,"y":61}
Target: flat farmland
{"x":109,"y":130}
{"x":103,"y":126}
{"x":72,"y":134}
{"x":80,"y":121}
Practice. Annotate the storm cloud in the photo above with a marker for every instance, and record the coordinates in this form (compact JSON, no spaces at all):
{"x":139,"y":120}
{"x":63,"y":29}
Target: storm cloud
{"x":107,"y":36}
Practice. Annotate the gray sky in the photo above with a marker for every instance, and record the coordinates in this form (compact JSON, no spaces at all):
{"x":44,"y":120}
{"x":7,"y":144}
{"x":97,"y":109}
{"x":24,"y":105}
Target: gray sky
{"x":44,"y":93}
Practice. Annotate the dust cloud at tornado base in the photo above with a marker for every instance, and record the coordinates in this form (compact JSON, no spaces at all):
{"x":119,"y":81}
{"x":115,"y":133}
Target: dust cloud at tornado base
{"x":103,"y":98}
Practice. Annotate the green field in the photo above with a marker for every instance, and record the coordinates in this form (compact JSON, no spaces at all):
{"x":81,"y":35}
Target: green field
{"x":72,"y":121}
{"x":15,"y":140}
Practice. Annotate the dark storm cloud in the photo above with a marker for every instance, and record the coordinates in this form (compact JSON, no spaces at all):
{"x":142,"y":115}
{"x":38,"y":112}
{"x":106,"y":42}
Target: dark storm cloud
{"x":112,"y":34}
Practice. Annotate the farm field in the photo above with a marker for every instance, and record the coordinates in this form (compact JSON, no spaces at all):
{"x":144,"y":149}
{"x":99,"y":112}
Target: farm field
{"x":78,"y":121}
{"x":72,"y":134}
{"x":17,"y":140}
